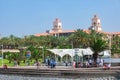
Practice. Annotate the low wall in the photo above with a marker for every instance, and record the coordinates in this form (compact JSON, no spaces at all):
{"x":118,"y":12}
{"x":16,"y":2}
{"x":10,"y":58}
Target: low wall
{"x":115,"y":64}
{"x":77,"y":72}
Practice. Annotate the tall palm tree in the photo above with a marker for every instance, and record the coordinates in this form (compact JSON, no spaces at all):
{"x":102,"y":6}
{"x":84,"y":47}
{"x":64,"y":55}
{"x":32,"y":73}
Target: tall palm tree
{"x":98,"y":46}
{"x":79,"y":38}
{"x":53,"y":41}
{"x":97,"y":43}
{"x":63,"y":42}
{"x":115,"y":44}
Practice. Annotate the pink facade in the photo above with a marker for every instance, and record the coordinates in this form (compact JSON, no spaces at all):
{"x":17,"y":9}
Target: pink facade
{"x":57,"y":28}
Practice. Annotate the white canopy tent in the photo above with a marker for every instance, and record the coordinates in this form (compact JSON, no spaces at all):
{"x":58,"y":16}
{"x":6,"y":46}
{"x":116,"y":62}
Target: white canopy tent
{"x":10,"y":50}
{"x":61,"y":52}
{"x":71,"y":52}
{"x":105,"y":53}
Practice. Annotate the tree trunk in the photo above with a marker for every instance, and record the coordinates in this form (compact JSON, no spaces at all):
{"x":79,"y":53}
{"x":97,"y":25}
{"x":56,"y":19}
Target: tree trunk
{"x":95,"y":56}
{"x":9,"y":61}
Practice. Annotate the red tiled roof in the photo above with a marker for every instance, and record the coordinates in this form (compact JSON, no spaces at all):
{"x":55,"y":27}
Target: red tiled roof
{"x":67,"y":31}
{"x":71,"y":31}
{"x":54,"y":32}
{"x":118,"y":33}
{"x":42,"y":34}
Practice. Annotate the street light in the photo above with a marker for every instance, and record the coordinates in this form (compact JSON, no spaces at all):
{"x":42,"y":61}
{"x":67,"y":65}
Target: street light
{"x":2,"y":54}
{"x":72,"y":52}
{"x":110,"y":47}
{"x":43,"y":54}
{"x":42,"y":51}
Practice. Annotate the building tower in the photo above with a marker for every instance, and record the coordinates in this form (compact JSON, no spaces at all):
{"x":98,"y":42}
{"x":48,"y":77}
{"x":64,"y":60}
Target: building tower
{"x":57,"y":25}
{"x":96,"y":24}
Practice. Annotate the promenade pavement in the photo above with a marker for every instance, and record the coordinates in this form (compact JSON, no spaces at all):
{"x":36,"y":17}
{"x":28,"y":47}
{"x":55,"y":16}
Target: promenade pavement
{"x":61,"y":67}
{"x":62,"y":71}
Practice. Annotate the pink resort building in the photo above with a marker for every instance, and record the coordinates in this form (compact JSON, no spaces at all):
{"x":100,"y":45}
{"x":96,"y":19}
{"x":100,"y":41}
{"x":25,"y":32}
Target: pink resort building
{"x":58,"y":31}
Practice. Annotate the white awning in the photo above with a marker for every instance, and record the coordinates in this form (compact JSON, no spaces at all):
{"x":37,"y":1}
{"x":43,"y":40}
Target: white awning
{"x":10,"y":50}
{"x":71,"y":52}
{"x":105,"y":53}
{"x":87,"y":51}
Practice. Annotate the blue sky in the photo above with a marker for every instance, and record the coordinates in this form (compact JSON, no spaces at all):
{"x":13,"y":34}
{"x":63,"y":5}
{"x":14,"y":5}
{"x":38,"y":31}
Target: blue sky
{"x":28,"y":17}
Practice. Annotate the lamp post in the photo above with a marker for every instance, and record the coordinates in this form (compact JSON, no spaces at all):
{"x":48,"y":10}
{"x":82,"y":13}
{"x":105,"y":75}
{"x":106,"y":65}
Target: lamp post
{"x":82,"y":56}
{"x":110,"y":47}
{"x":72,"y":52}
{"x":42,"y":52}
{"x":2,"y":55}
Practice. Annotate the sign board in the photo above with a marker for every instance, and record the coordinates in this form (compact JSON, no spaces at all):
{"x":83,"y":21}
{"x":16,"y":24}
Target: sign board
{"x":28,"y":54}
{"x":0,"y":56}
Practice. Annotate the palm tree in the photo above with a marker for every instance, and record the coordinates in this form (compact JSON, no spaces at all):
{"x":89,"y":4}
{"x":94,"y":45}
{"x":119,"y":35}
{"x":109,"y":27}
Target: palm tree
{"x":63,"y":42}
{"x":34,"y":52}
{"x":53,"y":41}
{"x":4,"y":41}
{"x":98,"y":46}
{"x":115,"y":47}
{"x":97,"y":43}
{"x":79,"y":39}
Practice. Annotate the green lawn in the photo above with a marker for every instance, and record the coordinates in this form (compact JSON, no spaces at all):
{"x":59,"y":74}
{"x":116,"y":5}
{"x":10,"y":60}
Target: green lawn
{"x":5,"y":61}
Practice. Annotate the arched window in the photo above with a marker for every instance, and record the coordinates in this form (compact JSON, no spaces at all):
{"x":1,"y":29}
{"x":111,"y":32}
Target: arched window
{"x":94,"y":23}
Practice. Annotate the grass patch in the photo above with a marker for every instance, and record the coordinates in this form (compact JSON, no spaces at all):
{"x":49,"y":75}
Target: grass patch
{"x":5,"y":61}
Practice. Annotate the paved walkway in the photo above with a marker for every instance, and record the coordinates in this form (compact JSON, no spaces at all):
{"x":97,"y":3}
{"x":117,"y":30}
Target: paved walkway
{"x":62,"y":71}
{"x":40,"y":67}
{"x":61,"y":67}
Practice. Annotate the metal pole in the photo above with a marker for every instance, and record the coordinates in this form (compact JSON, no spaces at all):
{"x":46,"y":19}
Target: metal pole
{"x":43,"y":53}
{"x":55,"y":57}
{"x":2,"y":55}
{"x":110,"y":48}
{"x":82,"y":56}
{"x":72,"y":52}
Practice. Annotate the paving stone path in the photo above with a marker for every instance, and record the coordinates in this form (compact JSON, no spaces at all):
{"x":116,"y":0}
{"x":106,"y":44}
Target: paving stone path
{"x":64,"y":72}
